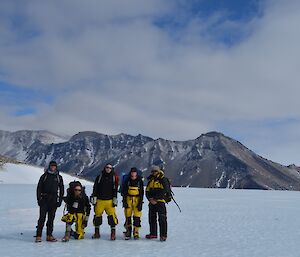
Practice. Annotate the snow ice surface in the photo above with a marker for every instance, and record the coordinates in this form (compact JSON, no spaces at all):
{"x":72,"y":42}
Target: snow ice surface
{"x":213,"y":223}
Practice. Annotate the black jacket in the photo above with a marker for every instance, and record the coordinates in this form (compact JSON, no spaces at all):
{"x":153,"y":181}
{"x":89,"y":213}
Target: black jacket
{"x":106,"y":186}
{"x":50,"y":189}
{"x":78,"y":205}
{"x":134,"y":183}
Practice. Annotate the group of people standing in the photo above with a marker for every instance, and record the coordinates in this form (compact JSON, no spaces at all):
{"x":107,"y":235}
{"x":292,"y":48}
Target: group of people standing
{"x":104,"y":198}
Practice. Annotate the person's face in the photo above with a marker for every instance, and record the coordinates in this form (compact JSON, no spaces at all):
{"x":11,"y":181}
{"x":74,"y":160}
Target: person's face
{"x":108,"y":168}
{"x":77,"y":190}
{"x":133,"y":175}
{"x":53,"y":168}
{"x":154,"y":172}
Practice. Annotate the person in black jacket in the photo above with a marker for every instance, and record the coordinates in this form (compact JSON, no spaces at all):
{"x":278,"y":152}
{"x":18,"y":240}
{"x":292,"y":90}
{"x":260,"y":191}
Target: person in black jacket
{"x":49,"y":193}
{"x":133,"y":194}
{"x":158,"y":192}
{"x":79,"y":208}
{"x":104,"y":198}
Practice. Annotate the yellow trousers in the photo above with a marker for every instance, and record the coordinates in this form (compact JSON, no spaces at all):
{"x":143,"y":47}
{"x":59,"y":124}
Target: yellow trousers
{"x":78,"y":219}
{"x":132,"y":210}
{"x":110,"y":210}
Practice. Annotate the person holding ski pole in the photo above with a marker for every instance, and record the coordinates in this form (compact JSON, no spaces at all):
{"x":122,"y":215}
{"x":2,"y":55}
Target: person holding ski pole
{"x":133,"y":194}
{"x":158,"y":192}
{"x":50,"y":192}
{"x":78,"y":211}
{"x":104,"y":198}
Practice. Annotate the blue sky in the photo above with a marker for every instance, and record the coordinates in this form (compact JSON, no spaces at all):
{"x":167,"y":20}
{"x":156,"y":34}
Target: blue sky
{"x":234,"y":11}
{"x":195,"y":66}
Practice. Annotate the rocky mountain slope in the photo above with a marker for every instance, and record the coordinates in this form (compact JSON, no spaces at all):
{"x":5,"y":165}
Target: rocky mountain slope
{"x":211,"y":160}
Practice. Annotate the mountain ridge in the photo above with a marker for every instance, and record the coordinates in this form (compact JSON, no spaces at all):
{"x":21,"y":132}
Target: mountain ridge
{"x":211,"y":160}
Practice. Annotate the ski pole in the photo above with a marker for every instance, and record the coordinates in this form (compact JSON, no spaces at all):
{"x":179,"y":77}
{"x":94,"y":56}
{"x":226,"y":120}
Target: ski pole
{"x":176,"y":204}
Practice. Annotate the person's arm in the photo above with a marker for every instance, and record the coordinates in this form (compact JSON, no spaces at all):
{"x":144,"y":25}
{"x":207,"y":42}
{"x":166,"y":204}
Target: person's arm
{"x":39,"y":188}
{"x":148,"y":196}
{"x":125,"y":193}
{"x":95,"y":187}
{"x":141,"y":190}
{"x":125,"y":188}
{"x":87,"y":206}
{"x":116,"y":186}
{"x":61,"y":190}
{"x":141,"y":195}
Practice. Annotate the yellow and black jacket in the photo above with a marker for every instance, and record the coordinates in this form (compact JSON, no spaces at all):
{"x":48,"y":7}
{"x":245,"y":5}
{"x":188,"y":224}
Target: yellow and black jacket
{"x":158,"y":187}
{"x":80,"y":204}
{"x":133,"y":188}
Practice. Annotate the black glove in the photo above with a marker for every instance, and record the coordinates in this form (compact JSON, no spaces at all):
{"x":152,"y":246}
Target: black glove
{"x":125,"y":205}
{"x":140,"y":205}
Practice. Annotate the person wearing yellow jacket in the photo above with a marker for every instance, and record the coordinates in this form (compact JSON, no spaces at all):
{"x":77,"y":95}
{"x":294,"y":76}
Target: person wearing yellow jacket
{"x":133,"y":194}
{"x":158,"y":192}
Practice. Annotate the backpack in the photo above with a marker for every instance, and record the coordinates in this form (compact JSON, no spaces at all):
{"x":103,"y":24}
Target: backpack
{"x":169,"y":194}
{"x":125,"y":179}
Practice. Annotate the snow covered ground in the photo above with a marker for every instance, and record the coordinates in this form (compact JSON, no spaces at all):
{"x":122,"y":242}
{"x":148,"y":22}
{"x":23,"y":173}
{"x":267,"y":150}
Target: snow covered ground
{"x":213,"y":223}
{"x":26,"y":174}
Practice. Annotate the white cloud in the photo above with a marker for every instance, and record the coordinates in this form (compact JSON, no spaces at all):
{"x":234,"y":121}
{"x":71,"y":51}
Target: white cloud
{"x":112,"y":70}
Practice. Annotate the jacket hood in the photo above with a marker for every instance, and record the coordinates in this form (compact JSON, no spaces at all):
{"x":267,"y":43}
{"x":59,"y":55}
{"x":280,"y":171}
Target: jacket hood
{"x":160,"y":174}
{"x":52,"y":172}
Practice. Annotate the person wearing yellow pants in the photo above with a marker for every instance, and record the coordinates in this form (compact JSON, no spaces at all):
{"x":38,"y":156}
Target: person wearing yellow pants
{"x":104,"y":198}
{"x":133,"y":193}
{"x":78,"y":208}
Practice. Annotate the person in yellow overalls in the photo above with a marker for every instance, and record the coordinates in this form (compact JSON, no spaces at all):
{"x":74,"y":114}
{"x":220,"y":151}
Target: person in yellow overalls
{"x":133,"y":194}
{"x":104,"y":198}
{"x":78,"y":207}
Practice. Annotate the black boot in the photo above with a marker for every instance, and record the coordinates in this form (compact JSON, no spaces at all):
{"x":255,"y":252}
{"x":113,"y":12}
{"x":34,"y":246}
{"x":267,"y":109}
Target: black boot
{"x":128,"y":233}
{"x":113,"y":234}
{"x":97,"y":233}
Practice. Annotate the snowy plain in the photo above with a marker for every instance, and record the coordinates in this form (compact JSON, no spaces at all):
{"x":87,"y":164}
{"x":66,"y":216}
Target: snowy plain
{"x":213,"y":223}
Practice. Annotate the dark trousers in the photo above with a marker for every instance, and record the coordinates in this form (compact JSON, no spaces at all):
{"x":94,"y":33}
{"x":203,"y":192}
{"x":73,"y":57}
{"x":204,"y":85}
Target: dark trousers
{"x":160,"y":210}
{"x":45,"y":209}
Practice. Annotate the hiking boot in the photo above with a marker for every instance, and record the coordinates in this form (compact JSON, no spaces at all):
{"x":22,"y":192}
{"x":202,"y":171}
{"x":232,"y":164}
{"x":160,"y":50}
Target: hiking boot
{"x":51,"y":239}
{"x":136,"y":233}
{"x":127,"y":235}
{"x":113,"y":234}
{"x":163,"y":238}
{"x":97,"y":234}
{"x":149,"y":236}
{"x":38,"y":239}
{"x":65,"y":239}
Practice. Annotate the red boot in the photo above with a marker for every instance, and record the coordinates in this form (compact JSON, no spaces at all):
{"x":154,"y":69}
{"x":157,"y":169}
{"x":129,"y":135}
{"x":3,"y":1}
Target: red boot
{"x":163,"y":238}
{"x":149,"y":236}
{"x":113,"y":234}
{"x":97,"y":234}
